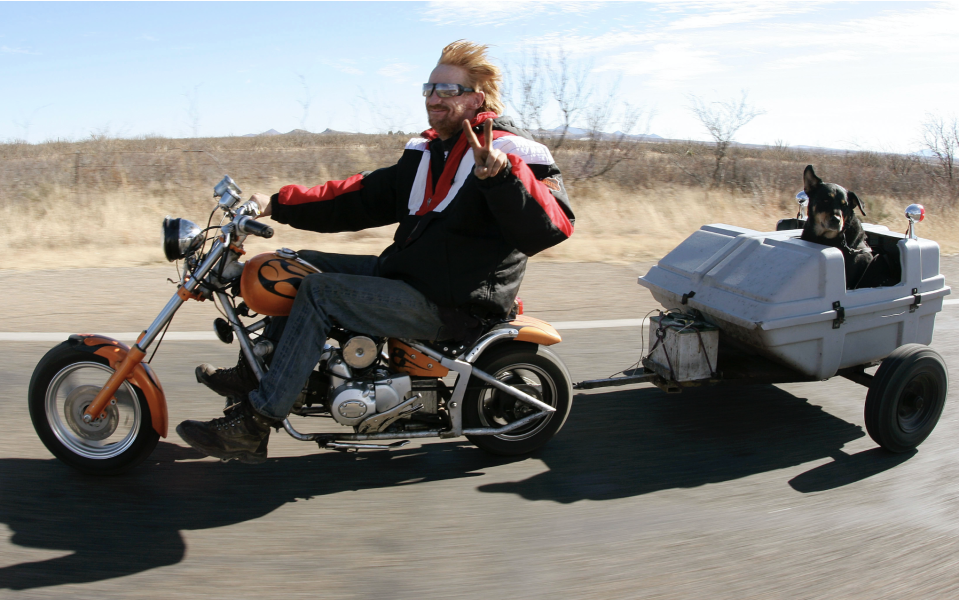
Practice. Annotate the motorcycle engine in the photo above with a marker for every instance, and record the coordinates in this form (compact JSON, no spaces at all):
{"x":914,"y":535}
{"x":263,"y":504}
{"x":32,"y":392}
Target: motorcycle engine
{"x":354,"y":401}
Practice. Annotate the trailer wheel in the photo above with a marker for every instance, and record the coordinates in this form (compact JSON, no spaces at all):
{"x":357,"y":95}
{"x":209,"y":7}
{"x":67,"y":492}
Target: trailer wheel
{"x":906,"y":397}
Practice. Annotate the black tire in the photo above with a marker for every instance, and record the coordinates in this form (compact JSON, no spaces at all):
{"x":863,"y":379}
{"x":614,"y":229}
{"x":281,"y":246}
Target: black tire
{"x":538,"y":372}
{"x":63,"y":383}
{"x":906,"y":397}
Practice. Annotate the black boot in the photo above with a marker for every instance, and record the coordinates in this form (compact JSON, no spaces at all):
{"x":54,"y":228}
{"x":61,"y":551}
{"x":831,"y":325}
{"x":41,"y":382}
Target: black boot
{"x":242,"y":434}
{"x":235,"y":381}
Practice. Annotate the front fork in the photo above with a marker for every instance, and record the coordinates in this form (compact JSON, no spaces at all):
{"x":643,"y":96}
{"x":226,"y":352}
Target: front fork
{"x":138,"y":351}
{"x":246,"y":346}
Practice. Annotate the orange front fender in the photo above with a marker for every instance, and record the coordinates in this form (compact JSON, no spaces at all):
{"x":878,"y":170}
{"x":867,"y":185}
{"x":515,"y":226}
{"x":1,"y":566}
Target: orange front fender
{"x":142,"y":376}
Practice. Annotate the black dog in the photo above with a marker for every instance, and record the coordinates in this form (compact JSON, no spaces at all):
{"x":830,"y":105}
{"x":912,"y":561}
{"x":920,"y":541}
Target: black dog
{"x":832,"y":221}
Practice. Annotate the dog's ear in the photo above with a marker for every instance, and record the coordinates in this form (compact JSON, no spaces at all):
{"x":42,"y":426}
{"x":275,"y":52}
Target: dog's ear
{"x":855,"y":202}
{"x":810,"y":181}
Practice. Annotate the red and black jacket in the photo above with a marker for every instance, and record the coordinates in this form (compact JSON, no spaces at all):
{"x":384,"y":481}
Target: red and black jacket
{"x":462,"y":242}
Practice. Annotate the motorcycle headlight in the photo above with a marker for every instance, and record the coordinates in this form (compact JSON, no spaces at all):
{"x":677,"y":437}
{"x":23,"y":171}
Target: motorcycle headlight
{"x":180,"y":238}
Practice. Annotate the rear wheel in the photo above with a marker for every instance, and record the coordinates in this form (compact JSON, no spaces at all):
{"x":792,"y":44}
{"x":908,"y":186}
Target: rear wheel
{"x":534,"y":370}
{"x":906,"y":397}
{"x":64,"y":384}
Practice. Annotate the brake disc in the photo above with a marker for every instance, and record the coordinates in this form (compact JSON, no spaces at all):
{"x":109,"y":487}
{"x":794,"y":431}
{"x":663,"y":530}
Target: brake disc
{"x":77,"y":402}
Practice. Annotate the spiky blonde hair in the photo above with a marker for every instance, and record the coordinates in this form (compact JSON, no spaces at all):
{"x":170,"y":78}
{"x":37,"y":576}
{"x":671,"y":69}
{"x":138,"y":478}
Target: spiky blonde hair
{"x":483,"y":75}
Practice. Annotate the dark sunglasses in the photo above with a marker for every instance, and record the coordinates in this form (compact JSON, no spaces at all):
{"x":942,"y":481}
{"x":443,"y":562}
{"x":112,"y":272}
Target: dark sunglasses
{"x":445,"y":90}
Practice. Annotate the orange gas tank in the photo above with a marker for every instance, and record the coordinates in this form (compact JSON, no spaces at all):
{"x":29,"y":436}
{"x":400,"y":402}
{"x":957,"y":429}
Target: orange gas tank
{"x":269,"y":284}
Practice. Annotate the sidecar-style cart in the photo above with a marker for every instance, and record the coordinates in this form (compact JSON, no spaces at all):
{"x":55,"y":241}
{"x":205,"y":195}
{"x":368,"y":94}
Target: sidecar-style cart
{"x":766,"y":307}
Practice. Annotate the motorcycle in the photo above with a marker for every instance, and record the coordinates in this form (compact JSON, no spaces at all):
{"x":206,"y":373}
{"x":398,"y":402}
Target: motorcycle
{"x":98,"y":407}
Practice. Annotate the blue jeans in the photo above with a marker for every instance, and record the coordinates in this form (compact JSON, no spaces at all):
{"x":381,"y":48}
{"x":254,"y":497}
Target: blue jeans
{"x":349,"y":294}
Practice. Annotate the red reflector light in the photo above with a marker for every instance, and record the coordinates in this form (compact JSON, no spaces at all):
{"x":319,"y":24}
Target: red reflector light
{"x":519,"y":304}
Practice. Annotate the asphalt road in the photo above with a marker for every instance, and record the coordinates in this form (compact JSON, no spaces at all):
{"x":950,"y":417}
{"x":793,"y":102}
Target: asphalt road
{"x":758,"y":492}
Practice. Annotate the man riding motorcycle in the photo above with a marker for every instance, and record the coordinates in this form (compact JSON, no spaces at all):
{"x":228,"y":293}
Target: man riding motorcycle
{"x":470,"y":212}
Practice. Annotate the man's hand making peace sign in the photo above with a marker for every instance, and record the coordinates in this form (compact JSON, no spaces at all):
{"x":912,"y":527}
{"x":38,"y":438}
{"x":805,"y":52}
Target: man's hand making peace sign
{"x":489,"y":162}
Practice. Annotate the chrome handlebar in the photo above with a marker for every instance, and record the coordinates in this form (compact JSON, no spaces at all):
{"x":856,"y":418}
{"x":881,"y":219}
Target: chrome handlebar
{"x":246,"y":224}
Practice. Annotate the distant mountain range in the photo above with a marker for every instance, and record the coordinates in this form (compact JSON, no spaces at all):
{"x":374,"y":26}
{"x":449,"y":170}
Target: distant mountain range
{"x":575,"y":133}
{"x":295,"y":132}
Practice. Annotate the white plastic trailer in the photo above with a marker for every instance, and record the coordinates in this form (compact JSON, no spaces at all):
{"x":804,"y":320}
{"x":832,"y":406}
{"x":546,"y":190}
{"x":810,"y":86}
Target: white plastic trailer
{"x":766,"y":307}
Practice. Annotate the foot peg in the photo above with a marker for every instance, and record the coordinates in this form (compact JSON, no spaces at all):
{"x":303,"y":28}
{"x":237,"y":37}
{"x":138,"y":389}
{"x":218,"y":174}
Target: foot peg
{"x":347,"y":446}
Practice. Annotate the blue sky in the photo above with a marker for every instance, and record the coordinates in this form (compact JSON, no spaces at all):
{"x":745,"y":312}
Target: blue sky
{"x":842,"y":75}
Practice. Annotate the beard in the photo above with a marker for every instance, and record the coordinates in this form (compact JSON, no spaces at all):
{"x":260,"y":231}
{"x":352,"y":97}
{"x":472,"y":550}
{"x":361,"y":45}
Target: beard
{"x":448,"y":120}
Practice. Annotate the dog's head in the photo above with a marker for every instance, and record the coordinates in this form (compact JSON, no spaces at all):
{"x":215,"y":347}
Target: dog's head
{"x":830,"y":205}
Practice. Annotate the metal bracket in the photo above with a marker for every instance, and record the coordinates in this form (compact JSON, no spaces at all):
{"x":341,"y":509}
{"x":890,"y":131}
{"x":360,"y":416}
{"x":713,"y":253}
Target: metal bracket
{"x":295,"y":257}
{"x":381,"y":421}
{"x":840,"y":315}
{"x":463,"y":371}
{"x":687,"y":296}
{"x":857,"y":374}
{"x":637,"y":376}
{"x":917,"y":300}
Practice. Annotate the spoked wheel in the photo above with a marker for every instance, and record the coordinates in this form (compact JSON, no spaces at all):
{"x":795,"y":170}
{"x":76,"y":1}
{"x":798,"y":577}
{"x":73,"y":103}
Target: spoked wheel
{"x":906,"y":397}
{"x":534,"y":370}
{"x":64,"y":384}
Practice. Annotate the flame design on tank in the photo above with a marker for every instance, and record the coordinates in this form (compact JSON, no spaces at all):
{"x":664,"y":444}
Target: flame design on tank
{"x":269,"y":284}
{"x":281,"y":277}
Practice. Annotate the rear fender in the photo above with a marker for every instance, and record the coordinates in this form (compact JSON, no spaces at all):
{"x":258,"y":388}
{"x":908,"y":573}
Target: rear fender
{"x":523,"y":329}
{"x":534,"y":330}
{"x":142,"y":376}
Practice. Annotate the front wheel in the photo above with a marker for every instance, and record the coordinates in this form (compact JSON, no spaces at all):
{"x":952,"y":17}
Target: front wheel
{"x":64,"y":383}
{"x":906,"y":397}
{"x":533,"y":369}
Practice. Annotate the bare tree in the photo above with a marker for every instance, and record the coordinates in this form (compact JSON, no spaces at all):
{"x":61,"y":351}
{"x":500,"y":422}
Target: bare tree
{"x":382,"y":114}
{"x":569,"y":85}
{"x":526,"y":90}
{"x":25,"y":122}
{"x":722,"y":119}
{"x":193,"y":110}
{"x":603,"y":150}
{"x":580,"y":98}
{"x":305,"y":102}
{"x":941,"y":139}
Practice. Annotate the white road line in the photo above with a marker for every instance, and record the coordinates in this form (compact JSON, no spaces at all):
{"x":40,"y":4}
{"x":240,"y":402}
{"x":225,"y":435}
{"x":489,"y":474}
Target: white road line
{"x":600,"y":324}
{"x":174,"y":336}
{"x":209,"y":336}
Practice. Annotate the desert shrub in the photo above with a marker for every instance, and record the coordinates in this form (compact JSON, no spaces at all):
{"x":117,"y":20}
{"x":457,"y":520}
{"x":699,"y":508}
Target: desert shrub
{"x":71,"y":194}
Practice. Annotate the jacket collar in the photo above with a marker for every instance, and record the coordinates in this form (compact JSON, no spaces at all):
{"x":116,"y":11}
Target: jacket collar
{"x":481,"y":118}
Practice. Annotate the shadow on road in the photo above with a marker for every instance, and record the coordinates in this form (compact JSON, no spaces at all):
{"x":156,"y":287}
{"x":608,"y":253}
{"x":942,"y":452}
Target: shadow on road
{"x":701,"y":436}
{"x":615,"y":445}
{"x":117,"y":526}
{"x":846,"y":469}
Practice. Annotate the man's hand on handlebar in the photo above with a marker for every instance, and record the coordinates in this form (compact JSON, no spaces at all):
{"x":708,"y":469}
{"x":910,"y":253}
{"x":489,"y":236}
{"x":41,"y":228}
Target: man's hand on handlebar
{"x":263,"y":201}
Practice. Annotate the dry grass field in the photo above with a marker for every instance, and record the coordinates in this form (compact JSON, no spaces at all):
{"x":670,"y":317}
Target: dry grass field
{"x":100,"y":201}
